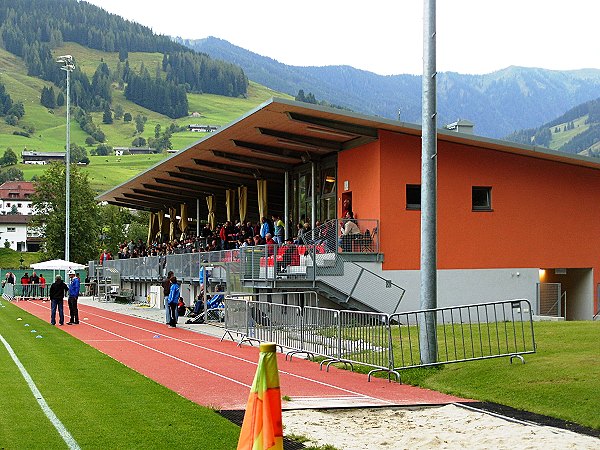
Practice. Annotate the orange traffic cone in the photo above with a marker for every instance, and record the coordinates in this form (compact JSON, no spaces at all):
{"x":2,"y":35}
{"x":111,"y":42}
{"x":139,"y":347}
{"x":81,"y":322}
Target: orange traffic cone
{"x":262,"y":428}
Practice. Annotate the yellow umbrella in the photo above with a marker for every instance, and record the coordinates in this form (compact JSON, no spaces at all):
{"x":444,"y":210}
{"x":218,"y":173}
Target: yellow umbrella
{"x":229,"y":202}
{"x":183,"y":221}
{"x":172,"y":223}
{"x":243,"y":202}
{"x":210,"y":202}
{"x":151,"y":228}
{"x":161,"y":221}
{"x":262,"y":197}
{"x":263,"y":428}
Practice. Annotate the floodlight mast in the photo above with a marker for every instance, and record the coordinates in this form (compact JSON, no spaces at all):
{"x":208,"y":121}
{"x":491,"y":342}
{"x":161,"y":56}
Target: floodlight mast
{"x":427,"y":322}
{"x":68,"y":66}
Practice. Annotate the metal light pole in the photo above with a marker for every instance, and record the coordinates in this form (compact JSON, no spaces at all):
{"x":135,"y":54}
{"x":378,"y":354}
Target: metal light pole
{"x":67,"y":65}
{"x":427,"y":328}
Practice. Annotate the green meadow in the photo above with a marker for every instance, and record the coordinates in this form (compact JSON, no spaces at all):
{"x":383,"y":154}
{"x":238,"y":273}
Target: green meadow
{"x":106,"y":172}
{"x":102,"y":403}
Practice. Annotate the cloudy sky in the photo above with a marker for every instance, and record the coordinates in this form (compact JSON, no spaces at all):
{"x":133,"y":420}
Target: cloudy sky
{"x":385,"y":36}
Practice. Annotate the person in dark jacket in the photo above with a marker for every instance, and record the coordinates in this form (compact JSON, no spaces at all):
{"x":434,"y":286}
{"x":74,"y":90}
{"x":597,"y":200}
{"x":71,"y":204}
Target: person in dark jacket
{"x":58,"y":289}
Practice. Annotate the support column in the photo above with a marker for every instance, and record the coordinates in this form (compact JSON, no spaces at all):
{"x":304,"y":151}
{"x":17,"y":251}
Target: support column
{"x":313,"y":197}
{"x":197,"y":217}
{"x":286,"y":205}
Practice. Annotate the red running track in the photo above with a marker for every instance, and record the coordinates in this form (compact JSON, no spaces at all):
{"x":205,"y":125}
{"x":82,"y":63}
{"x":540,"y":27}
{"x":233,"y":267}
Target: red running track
{"x":219,"y":374}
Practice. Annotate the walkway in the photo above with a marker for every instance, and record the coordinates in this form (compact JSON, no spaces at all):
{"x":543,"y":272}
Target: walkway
{"x":193,"y":362}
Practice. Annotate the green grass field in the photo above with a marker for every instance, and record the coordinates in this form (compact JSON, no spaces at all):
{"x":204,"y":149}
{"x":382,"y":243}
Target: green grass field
{"x":102,"y":403}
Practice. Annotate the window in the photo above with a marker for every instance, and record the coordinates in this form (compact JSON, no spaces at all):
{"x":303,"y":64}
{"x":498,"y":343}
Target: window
{"x":11,"y":229}
{"x":482,"y":198}
{"x":19,"y":205}
{"x":8,"y":204}
{"x":413,"y":196}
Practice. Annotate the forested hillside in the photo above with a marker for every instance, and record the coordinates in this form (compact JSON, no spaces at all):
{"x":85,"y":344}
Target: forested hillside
{"x":498,"y":103}
{"x":31,"y":29}
{"x":576,"y":131}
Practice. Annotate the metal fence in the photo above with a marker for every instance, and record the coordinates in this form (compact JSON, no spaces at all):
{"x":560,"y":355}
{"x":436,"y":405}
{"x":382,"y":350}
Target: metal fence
{"x":364,"y":239}
{"x":465,"y":333}
{"x":385,"y":342}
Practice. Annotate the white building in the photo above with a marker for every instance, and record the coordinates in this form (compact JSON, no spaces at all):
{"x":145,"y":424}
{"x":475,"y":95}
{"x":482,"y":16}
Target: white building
{"x":13,"y":228}
{"x":15,"y":197}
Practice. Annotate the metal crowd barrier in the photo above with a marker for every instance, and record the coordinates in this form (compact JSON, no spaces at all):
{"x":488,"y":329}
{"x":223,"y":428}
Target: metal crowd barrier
{"x":466,"y":333}
{"x":385,"y":342}
{"x":28,"y":291}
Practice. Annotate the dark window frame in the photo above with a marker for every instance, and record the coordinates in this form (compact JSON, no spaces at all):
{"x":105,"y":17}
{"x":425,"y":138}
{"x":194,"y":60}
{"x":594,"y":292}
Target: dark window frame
{"x":413,"y":193}
{"x":481,"y":198}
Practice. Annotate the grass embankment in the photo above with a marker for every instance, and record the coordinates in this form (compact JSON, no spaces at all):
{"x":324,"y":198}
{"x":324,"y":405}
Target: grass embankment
{"x":10,"y":259}
{"x":102,"y":403}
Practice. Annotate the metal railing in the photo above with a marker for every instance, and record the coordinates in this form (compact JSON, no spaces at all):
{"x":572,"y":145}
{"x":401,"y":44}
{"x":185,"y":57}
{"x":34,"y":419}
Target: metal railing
{"x":384,"y":342}
{"x":465,"y":333}
{"x":341,"y":277}
{"x":37,"y":291}
{"x":364,"y":238}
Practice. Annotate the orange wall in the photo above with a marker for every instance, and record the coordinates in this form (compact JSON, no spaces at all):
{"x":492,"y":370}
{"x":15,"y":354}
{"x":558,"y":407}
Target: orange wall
{"x":361,"y":167}
{"x":545,"y":214}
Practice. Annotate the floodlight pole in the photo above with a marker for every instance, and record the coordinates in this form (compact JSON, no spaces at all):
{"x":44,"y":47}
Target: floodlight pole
{"x":427,"y":321}
{"x":67,"y":66}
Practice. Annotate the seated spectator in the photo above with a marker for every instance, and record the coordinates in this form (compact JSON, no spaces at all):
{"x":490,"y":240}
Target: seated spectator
{"x":270,"y":243}
{"x":181,"y":307}
{"x":290,"y":255}
{"x":349,"y":232}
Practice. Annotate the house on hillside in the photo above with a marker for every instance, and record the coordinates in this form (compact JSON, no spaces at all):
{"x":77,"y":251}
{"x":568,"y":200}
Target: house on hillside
{"x":202,"y":128}
{"x":15,"y":197}
{"x":14,"y":230}
{"x":31,"y":157}
{"x":120,"y":151}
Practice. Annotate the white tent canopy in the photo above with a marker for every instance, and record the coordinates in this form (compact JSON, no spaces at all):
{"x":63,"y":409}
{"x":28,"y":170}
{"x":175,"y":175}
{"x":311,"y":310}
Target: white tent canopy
{"x":57,"y":264}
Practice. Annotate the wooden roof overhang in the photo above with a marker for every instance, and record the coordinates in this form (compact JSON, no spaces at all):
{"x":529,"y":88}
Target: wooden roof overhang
{"x":276,"y":137}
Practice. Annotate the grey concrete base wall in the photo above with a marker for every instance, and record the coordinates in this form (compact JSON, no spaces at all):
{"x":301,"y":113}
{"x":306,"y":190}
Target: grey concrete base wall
{"x":465,"y":286}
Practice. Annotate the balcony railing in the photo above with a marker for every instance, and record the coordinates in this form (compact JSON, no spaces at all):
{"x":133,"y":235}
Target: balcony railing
{"x":338,"y":235}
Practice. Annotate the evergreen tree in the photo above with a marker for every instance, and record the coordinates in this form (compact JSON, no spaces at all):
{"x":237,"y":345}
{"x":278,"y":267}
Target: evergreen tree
{"x":107,"y":117}
{"x":9,"y":158}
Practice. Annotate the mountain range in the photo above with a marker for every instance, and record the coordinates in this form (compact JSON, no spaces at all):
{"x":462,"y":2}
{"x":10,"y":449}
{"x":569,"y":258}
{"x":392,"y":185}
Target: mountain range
{"x":498,"y":103}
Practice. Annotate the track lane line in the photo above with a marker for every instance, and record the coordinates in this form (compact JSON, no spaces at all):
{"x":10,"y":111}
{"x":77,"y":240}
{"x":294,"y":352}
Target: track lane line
{"x":253,"y":363}
{"x":62,"y":430}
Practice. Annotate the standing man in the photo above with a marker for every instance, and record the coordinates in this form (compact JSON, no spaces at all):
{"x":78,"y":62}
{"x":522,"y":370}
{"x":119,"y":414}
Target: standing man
{"x":25,"y":286}
{"x":42,"y":286}
{"x":58,"y":289}
{"x":73,"y":296}
{"x":166,"y":285}
{"x":34,"y":281}
{"x":172,"y":300}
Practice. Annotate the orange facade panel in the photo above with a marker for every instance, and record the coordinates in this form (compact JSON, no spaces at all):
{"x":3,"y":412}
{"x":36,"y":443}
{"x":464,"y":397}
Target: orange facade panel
{"x":543,"y":213}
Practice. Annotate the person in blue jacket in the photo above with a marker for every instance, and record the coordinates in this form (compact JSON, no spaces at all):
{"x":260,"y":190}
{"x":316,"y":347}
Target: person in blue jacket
{"x":174,"y":295}
{"x":73,"y":296}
